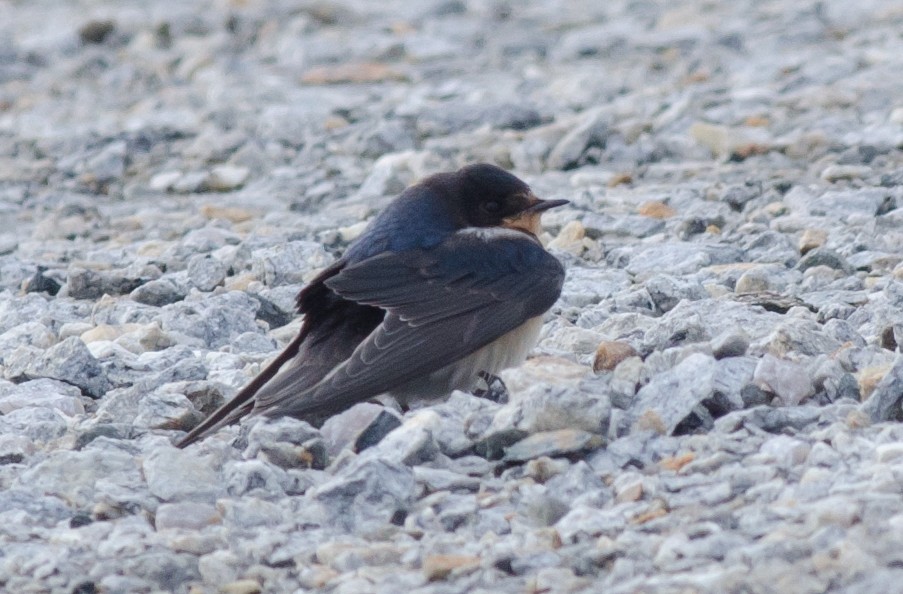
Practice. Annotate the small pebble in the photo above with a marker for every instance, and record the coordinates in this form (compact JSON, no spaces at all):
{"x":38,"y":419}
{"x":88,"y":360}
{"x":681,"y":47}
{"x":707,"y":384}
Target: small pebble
{"x":439,"y":567}
{"x":610,"y":353}
{"x":811,"y":239}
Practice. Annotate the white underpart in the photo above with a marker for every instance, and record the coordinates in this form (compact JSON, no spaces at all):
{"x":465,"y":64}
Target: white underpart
{"x":509,"y":350}
{"x":490,"y":233}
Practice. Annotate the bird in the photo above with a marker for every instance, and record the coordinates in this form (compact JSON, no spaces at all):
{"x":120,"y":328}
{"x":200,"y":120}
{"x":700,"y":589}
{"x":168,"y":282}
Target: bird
{"x":447,"y":284}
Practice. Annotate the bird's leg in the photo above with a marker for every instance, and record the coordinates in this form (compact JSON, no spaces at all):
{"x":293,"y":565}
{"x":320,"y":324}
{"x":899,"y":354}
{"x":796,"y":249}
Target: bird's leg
{"x":495,"y":389}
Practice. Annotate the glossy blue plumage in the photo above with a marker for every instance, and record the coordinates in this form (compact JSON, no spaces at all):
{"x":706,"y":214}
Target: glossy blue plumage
{"x":445,"y":285}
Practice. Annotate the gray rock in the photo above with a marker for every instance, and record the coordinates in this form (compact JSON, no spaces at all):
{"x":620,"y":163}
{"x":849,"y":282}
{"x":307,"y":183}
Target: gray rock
{"x":287,"y":443}
{"x":289,"y":125}
{"x":411,"y":443}
{"x":884,"y":404}
{"x":8,"y":244}
{"x":601,"y":225}
{"x":491,"y":445}
{"x":119,"y":583}
{"x":250,"y":513}
{"x":666,"y":291}
{"x":44,"y":393}
{"x":786,"y":451}
{"x":157,"y":369}
{"x":14,"y":449}
{"x":89,"y":284}
{"x":737,"y":196}
{"x":786,"y":379}
{"x":676,"y":258}
{"x":185,"y":516}
{"x":251,"y":342}
{"x":676,"y":331}
{"x":391,"y":173}
{"x":844,"y":386}
{"x":388,"y":137}
{"x":159,"y":292}
{"x":369,"y":491}
{"x":731,"y":343}
{"x":875,"y":582}
{"x":848,"y":202}
{"x":358,"y":428}
{"x":625,"y":380}
{"x":873,"y":261}
{"x":773,"y":420}
{"x":563,"y":442}
{"x":220,"y":568}
{"x":40,"y":282}
{"x":584,"y":522}
{"x":69,"y":361}
{"x":38,"y":424}
{"x":769,"y":248}
{"x":670,"y":398}
{"x":205,"y":272}
{"x":166,"y":408}
{"x":798,"y":337}
{"x":545,"y":407}
{"x":824,"y":257}
{"x":590,"y":131}
{"x":732,"y":377}
{"x":77,"y":477}
{"x":37,"y":511}
{"x":109,"y":164}
{"x":275,"y":314}
{"x":843,"y":332}
{"x":165,"y":570}
{"x":437,"y":479}
{"x":225,"y":178}
{"x":177,"y":475}
{"x":288,"y":263}
{"x":457,"y":117}
{"x":767,"y":277}
{"x":118,"y":431}
{"x":190,"y":182}
{"x":33,"y":334}
{"x":256,"y":478}
{"x":456,"y":413}
{"x":214,"y":322}
{"x":201,"y":240}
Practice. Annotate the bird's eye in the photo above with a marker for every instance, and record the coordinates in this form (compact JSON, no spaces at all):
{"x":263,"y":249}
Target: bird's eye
{"x":492,"y":206}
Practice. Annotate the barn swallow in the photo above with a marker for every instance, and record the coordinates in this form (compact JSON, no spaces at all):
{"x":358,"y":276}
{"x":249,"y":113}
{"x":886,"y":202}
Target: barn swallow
{"x":447,"y":284}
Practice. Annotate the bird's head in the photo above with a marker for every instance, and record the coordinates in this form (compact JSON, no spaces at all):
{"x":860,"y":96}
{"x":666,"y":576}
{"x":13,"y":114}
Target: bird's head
{"x":488,"y":196}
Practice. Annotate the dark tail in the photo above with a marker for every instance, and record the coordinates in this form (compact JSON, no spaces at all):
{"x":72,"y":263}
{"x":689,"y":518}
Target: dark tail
{"x":243,"y":402}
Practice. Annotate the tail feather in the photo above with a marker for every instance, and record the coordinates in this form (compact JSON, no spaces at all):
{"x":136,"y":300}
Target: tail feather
{"x":243,"y":402}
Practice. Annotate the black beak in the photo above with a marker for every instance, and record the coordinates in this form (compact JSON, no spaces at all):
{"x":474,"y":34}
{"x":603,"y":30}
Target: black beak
{"x":546,"y":205}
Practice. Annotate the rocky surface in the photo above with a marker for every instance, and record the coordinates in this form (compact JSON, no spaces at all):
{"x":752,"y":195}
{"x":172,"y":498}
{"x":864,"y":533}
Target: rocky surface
{"x":715,"y":401}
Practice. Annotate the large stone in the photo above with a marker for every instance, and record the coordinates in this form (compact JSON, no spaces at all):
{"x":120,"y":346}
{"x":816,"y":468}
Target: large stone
{"x":369,"y":490}
{"x":69,"y":361}
{"x":885,"y":402}
{"x":671,"y":397}
{"x":178,"y":475}
{"x":78,"y":477}
{"x":44,"y":393}
{"x":563,"y":442}
{"x":787,"y":379}
{"x":358,"y":428}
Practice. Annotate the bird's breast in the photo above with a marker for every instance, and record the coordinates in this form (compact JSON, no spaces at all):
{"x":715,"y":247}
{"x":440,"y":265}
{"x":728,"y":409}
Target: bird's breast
{"x":509,"y":349}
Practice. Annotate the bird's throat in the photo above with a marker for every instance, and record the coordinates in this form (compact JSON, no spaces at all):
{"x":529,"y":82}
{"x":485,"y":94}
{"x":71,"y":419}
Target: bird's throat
{"x":528,"y":221}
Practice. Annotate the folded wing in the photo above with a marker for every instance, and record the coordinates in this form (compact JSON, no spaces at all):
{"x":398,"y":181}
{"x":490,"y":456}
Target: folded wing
{"x":442,"y":304}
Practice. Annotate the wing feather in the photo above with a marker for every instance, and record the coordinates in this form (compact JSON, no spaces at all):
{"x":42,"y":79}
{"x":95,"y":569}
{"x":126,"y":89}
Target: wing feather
{"x":442,"y":305}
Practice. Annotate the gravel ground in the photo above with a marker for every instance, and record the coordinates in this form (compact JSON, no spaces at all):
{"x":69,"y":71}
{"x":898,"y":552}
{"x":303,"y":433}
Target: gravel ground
{"x":714,"y":404}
